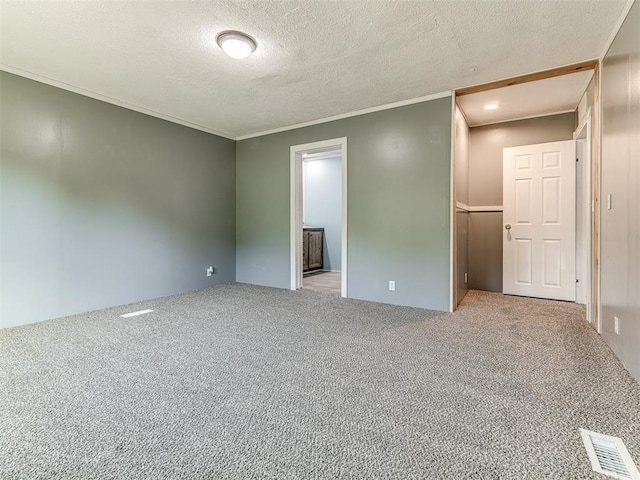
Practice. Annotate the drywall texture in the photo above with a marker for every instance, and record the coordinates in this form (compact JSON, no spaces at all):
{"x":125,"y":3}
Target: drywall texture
{"x":462,"y":254}
{"x":620,"y":225}
{"x":102,"y":206}
{"x":485,"y":251}
{"x":399,"y":204}
{"x":315,"y":59}
{"x":485,"y":187}
{"x":323,"y":205}
{"x":461,"y":162}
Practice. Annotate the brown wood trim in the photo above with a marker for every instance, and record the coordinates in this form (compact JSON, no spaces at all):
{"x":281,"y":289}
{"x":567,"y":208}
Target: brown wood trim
{"x":530,"y":77}
{"x":596,"y":196}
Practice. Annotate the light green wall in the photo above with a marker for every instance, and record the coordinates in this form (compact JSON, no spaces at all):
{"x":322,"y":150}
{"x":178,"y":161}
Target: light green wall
{"x":399,"y":204}
{"x":103,"y":206}
{"x":620,"y":226}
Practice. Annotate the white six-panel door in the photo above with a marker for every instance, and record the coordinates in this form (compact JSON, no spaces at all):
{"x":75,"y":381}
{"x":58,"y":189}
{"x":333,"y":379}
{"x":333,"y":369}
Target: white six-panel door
{"x":539,"y":220}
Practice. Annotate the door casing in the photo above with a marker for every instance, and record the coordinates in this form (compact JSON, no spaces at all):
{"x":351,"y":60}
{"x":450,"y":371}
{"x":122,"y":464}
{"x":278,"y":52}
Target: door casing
{"x":296,"y":209}
{"x":584,"y":231}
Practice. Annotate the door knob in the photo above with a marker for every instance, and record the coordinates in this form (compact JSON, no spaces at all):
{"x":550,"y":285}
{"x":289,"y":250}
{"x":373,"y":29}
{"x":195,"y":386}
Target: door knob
{"x":508,"y":226}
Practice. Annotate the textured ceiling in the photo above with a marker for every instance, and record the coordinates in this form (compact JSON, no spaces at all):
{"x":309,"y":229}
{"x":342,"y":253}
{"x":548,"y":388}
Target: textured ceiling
{"x":543,"y":97}
{"x":315,"y":58}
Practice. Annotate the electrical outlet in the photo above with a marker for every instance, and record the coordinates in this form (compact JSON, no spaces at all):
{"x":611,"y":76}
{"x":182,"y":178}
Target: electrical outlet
{"x":209,"y":271}
{"x":616,"y":325}
{"x":392,"y":285}
{"x":466,"y":277}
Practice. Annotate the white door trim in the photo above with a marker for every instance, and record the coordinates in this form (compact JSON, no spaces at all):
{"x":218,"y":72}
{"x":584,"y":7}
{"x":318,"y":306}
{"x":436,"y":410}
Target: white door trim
{"x":296,"y":207}
{"x":453,"y":247}
{"x":584,"y":132}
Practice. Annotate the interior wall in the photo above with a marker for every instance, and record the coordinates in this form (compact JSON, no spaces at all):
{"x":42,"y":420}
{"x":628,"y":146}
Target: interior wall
{"x":103,"y":206}
{"x":399,"y":204}
{"x":620,"y":178}
{"x":462,"y":201}
{"x":323,"y":205}
{"x":485,"y":187}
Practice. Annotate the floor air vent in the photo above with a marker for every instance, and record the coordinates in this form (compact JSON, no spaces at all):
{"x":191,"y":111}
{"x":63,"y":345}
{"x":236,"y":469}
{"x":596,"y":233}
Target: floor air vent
{"x":609,"y":456}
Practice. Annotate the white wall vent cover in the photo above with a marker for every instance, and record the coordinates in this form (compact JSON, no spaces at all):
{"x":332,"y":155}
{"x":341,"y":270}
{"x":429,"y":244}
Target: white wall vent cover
{"x":608,"y":455}
{"x":135,"y":314}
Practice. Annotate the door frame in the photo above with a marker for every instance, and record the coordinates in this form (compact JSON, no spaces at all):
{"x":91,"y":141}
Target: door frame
{"x":586,"y":166}
{"x":594,"y":65}
{"x":296,"y":212}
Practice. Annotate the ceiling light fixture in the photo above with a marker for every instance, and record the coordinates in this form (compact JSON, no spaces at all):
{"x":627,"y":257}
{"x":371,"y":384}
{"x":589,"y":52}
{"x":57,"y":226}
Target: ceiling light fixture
{"x":236,"y":44}
{"x":491,"y":106}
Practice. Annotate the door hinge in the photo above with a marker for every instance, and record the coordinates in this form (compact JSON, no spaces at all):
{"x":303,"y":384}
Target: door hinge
{"x":577,"y":159}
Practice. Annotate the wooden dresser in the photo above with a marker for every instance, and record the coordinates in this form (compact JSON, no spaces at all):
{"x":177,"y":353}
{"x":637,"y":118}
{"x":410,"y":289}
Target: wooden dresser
{"x":312,"y":248}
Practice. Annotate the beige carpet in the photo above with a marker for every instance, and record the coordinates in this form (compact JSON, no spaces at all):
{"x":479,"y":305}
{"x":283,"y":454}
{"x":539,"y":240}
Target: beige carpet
{"x":245,"y":382}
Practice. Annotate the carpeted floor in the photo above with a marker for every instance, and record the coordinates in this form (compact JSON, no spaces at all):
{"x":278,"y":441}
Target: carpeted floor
{"x":244,"y":382}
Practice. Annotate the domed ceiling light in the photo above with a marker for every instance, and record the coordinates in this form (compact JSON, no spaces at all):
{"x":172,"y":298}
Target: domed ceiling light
{"x":236,"y":44}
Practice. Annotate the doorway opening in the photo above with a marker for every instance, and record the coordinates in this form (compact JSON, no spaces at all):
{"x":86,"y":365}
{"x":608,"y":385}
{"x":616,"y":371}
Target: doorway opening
{"x":534,"y":99}
{"x":319,"y":216}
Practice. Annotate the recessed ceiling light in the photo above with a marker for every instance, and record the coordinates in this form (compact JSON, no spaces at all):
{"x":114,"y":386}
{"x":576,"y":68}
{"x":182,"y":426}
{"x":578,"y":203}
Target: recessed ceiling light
{"x":236,"y":44}
{"x":491,"y":106}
